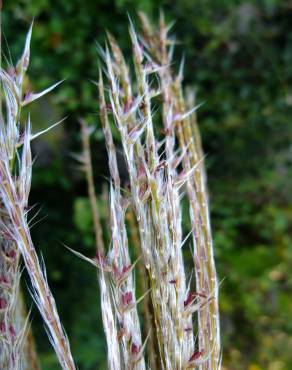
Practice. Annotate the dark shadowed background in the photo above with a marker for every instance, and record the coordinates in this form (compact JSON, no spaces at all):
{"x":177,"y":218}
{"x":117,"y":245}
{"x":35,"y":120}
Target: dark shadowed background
{"x":239,"y":61}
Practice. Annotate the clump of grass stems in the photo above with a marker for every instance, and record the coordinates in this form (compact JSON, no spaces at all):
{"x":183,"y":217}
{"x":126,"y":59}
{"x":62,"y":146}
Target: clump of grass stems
{"x":15,"y":238}
{"x":161,"y":169}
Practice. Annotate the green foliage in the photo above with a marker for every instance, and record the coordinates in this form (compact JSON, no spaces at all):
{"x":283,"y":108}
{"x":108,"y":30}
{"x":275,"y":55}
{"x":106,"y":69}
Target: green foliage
{"x":239,"y":59}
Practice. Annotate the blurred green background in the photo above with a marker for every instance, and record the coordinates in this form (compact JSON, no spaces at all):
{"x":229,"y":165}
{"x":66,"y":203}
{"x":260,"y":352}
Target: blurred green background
{"x":239,"y":60}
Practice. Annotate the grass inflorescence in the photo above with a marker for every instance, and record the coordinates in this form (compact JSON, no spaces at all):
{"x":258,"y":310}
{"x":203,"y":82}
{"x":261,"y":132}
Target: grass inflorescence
{"x":15,"y":238}
{"x":162,"y":149}
{"x":145,"y":103}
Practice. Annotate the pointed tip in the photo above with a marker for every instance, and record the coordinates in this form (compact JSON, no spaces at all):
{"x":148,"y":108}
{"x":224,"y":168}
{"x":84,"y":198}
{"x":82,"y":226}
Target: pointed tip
{"x":32,"y":137}
{"x":129,"y":18}
{"x":109,"y":35}
{"x":132,"y":29}
{"x":181,"y":69}
{"x":28,"y":36}
{"x":161,"y":17}
{"x":32,"y":97}
{"x":31,"y":24}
